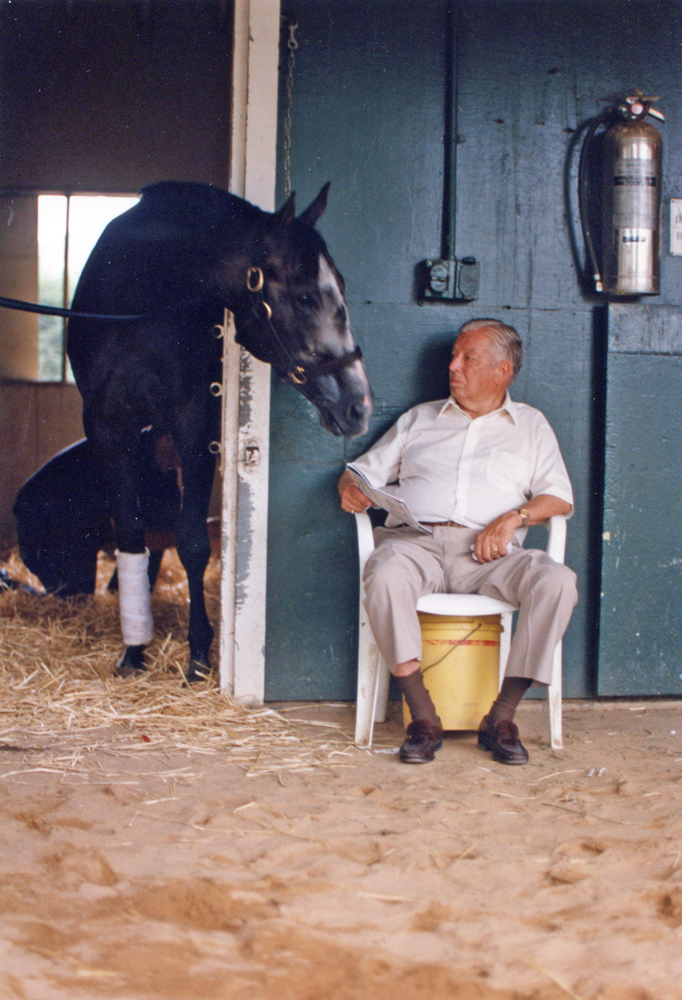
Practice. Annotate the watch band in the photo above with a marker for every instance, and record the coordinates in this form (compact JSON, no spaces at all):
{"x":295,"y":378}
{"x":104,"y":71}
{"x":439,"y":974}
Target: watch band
{"x":523,"y":511}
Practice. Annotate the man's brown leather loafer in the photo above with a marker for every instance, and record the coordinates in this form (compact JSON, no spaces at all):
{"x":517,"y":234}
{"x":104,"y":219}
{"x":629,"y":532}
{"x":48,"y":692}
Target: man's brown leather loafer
{"x":503,"y":739}
{"x":422,"y":741}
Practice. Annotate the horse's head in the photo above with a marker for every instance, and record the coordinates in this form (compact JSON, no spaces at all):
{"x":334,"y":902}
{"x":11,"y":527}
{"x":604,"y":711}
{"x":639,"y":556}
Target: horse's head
{"x":292,"y":314}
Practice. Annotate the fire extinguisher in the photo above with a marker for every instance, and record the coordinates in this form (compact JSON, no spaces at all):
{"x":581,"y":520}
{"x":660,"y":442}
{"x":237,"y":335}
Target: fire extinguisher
{"x":629,"y":228}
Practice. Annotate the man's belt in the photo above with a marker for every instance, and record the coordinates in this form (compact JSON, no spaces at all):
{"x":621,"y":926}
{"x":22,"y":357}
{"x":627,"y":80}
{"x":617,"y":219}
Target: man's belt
{"x":442,"y":524}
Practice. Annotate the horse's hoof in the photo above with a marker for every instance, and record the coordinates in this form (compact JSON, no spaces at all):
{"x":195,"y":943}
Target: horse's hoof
{"x":7,"y":582}
{"x":199,"y":670}
{"x":131,"y":663}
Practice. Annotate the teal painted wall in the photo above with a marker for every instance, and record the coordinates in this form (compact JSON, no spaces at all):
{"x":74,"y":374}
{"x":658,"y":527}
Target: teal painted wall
{"x":369,"y":112}
{"x":641,"y":611}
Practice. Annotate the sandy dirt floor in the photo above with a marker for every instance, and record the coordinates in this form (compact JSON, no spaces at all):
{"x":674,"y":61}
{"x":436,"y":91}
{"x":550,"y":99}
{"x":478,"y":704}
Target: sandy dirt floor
{"x":137,"y":865}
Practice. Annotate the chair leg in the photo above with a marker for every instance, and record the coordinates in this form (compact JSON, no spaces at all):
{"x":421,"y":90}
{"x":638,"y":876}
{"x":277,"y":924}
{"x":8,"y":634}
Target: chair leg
{"x":370,"y":669}
{"x":373,"y":680}
{"x":381,"y":690}
{"x":373,"y":683}
{"x":554,"y":699}
{"x":505,"y":643}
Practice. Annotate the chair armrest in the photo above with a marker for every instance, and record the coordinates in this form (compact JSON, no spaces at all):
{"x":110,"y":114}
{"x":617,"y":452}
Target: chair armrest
{"x":365,"y":537}
{"x":556,"y":542}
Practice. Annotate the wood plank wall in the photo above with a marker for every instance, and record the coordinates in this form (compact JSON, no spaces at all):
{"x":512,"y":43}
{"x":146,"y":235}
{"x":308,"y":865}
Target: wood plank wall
{"x":36,"y":421}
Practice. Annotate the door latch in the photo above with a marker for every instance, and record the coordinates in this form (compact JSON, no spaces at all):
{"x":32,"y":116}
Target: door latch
{"x":251,"y":454}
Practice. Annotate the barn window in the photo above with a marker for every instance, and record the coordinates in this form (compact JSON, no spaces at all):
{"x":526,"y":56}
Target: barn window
{"x":68,"y":228}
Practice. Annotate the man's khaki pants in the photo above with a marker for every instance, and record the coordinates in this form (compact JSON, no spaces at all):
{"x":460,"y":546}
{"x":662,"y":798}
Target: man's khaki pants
{"x":406,"y":565}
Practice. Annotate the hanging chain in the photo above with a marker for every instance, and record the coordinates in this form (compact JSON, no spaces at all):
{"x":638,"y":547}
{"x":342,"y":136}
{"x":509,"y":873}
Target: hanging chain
{"x":292,"y":45}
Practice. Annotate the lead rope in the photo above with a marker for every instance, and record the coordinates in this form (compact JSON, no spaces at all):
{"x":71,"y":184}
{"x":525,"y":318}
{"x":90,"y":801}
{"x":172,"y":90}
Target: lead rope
{"x":35,"y":307}
{"x":292,"y":45}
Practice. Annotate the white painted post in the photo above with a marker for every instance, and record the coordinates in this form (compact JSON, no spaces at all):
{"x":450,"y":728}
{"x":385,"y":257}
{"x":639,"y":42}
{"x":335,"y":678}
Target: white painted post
{"x":246,"y":382}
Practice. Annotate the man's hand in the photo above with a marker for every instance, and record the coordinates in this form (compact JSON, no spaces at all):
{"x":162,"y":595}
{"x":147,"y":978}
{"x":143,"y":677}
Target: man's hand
{"x":494,"y":541}
{"x":353,"y":500}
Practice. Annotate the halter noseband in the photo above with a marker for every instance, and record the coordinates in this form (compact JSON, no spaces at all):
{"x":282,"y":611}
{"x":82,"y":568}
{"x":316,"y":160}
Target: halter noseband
{"x":299,"y":374}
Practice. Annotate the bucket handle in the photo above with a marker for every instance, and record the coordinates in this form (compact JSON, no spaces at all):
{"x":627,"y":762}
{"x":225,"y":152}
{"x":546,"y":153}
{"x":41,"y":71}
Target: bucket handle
{"x":452,"y":649}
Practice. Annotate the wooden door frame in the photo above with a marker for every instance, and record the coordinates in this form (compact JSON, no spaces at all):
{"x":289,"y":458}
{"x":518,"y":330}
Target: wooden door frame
{"x":246,"y":381}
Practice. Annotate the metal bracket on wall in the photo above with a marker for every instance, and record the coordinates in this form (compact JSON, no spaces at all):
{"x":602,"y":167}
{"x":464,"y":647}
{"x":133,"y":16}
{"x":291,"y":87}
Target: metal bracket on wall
{"x":448,"y":280}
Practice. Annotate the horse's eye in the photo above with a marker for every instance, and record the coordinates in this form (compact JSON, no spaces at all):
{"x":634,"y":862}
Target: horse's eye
{"x":304,"y":299}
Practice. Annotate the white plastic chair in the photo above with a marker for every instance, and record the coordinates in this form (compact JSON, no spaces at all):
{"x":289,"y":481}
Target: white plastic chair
{"x":374,"y":676}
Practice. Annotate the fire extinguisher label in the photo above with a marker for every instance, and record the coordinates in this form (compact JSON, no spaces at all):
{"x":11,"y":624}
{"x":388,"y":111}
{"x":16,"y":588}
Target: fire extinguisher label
{"x":635,"y":194}
{"x":676,"y":226}
{"x":633,"y":180}
{"x":634,"y":236}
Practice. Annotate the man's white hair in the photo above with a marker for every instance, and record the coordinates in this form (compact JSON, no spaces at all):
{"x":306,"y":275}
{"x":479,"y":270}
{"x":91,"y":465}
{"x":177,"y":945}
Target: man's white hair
{"x":505,"y":340}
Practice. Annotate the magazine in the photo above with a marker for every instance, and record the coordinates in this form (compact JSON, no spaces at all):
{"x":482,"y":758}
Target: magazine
{"x":380,"y":498}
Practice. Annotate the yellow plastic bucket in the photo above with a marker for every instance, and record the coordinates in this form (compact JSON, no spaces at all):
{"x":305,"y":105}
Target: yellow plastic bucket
{"x":460,"y":664}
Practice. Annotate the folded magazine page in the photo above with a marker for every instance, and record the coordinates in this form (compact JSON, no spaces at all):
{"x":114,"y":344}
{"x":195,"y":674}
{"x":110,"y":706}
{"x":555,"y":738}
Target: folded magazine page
{"x":380,"y":498}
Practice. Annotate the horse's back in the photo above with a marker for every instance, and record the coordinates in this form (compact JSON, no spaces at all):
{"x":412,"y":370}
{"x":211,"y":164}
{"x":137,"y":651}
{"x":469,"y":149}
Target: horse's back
{"x":199,"y":218}
{"x":180,"y":199}
{"x":152,"y":261}
{"x":158,"y":251}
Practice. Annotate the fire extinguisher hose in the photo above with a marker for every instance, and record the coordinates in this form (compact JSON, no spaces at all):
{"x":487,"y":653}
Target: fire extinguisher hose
{"x":583,"y":196}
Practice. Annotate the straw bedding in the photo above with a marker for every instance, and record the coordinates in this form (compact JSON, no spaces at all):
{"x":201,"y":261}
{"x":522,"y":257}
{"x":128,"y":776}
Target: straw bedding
{"x":59,"y":695}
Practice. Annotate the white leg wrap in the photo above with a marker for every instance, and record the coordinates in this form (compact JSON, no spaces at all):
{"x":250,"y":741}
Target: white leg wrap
{"x":134,"y":598}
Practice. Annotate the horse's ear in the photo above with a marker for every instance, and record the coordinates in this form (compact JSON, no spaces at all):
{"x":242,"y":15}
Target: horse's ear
{"x":287,"y":212}
{"x":313,"y":212}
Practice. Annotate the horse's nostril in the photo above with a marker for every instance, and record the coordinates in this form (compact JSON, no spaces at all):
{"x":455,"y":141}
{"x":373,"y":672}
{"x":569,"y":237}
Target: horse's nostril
{"x":357,"y":412}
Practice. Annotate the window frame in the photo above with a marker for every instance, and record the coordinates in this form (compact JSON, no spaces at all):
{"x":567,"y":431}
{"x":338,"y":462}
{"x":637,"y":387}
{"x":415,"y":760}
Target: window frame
{"x":25,"y":356}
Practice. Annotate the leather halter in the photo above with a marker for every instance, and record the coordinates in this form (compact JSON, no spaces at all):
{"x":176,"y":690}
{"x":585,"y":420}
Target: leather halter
{"x":298,"y":373}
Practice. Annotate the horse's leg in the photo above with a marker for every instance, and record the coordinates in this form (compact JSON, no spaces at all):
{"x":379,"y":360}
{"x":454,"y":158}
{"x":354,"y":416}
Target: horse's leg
{"x":155,"y":558}
{"x":119,"y":468}
{"x":194,"y":550}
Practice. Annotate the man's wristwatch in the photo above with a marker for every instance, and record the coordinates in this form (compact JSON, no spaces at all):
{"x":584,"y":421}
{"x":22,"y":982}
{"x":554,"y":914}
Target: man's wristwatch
{"x":523,"y":511}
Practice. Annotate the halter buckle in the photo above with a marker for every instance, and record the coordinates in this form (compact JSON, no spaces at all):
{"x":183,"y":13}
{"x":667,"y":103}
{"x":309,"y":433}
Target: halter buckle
{"x":297,"y":375}
{"x":254,"y":279}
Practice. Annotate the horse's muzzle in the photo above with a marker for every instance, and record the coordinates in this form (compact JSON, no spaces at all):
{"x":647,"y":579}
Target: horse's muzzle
{"x":346,"y":417}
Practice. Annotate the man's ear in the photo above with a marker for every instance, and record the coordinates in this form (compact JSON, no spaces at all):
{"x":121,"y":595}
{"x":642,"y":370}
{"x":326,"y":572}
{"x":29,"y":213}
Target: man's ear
{"x":505,"y":370}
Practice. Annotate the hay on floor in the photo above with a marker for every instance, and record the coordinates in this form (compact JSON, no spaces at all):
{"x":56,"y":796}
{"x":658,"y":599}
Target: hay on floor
{"x":56,"y":663}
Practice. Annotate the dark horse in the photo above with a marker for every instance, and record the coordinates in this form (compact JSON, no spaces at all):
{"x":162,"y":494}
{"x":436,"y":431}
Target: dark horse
{"x":173,"y":262}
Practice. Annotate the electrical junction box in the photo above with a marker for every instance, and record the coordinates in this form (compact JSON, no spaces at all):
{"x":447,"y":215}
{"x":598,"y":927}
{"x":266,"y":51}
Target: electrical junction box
{"x":452,"y":280}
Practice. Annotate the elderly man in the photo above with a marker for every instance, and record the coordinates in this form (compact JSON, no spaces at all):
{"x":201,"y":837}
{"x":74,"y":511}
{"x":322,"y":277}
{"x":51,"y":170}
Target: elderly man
{"x":475,"y":470}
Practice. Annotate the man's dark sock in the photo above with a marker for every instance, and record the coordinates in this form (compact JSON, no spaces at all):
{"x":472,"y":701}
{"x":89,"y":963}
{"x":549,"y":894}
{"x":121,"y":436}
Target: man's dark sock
{"x":418,"y":698}
{"x":506,"y":703}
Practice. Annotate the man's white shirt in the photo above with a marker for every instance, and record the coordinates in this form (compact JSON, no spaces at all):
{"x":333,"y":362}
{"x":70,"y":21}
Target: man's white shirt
{"x":447,"y":466}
